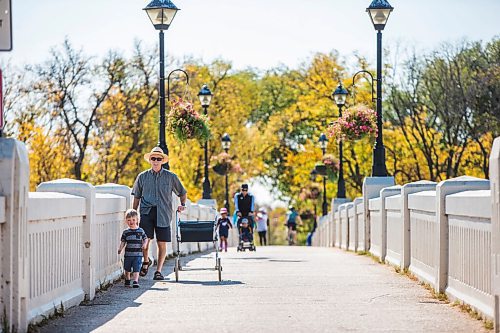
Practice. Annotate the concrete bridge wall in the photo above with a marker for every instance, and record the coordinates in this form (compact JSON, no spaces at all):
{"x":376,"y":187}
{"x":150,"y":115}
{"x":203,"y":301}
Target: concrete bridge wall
{"x":58,"y":245}
{"x":446,"y":234}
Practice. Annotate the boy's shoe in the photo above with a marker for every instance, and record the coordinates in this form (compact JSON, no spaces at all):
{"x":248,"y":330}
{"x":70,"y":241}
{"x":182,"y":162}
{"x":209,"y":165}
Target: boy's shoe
{"x":127,"y":283}
{"x":135,"y":284}
{"x":158,"y":276}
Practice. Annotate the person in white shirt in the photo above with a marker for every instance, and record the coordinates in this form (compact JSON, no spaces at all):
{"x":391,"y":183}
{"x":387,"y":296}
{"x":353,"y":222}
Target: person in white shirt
{"x":262,"y":219}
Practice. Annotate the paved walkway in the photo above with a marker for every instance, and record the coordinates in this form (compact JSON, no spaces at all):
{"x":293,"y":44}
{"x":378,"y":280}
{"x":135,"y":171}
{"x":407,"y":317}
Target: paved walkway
{"x":276,"y":289}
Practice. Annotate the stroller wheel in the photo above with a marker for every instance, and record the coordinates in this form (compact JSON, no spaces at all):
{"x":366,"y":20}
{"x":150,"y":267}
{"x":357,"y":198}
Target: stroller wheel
{"x":176,"y":269}
{"x":219,"y":268}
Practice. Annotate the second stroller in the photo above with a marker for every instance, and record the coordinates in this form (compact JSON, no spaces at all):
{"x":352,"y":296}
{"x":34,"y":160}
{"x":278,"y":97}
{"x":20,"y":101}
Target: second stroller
{"x":246,"y":236}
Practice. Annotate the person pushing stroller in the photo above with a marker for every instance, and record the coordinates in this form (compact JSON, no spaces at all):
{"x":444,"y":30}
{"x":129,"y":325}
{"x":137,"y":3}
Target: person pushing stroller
{"x":244,"y":206}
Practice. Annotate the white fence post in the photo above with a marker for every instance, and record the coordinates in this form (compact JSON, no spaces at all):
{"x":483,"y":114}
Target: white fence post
{"x":408,"y":189}
{"x":87,"y":191}
{"x":495,"y":228}
{"x":384,"y":193}
{"x":443,"y":189}
{"x":14,"y":187}
{"x":360,"y":225}
{"x":117,"y":189}
{"x":371,"y":189}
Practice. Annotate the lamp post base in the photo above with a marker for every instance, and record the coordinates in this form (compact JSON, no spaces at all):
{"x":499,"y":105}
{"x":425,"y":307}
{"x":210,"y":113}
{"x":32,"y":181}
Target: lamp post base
{"x":378,"y":168}
{"x":325,"y":208}
{"x":371,"y":189}
{"x":207,"y":191}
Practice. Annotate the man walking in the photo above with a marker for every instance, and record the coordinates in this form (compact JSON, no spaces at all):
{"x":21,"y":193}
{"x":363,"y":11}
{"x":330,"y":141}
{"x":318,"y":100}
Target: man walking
{"x":153,"y":191}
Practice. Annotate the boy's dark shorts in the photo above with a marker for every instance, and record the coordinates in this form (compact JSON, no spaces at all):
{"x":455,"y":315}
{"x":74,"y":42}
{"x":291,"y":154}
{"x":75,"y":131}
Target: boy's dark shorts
{"x":148,"y":224}
{"x":132,"y":264}
{"x":293,"y":225}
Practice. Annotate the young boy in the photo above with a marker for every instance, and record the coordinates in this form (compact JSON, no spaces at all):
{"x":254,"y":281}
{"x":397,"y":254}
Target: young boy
{"x":223,"y":224}
{"x":134,"y":238}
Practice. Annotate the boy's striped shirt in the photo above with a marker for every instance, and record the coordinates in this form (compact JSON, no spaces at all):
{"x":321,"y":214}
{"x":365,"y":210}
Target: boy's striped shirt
{"x":134,"y":239}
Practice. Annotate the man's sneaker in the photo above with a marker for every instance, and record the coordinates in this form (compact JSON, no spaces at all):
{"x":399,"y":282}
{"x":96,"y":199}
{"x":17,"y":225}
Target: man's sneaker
{"x":135,"y":284}
{"x":127,"y":283}
{"x":158,"y":276}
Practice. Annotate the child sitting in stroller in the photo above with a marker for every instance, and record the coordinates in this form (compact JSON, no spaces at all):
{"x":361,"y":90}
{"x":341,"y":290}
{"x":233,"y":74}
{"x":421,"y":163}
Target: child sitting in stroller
{"x":246,"y":236}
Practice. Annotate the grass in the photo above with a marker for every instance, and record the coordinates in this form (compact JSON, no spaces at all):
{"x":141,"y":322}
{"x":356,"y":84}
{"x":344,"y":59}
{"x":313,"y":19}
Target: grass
{"x":473,"y":313}
{"x":104,"y":286}
{"x":369,"y":254}
{"x":57,"y":313}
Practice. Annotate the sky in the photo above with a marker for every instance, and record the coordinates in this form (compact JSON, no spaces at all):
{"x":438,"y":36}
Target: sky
{"x":251,"y":33}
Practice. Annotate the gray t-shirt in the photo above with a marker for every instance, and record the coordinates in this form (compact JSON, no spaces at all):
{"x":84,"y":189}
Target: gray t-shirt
{"x":154,"y":189}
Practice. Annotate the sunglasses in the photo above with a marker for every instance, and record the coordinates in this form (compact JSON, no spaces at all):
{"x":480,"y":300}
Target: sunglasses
{"x":159,"y":159}
{"x":244,"y":190}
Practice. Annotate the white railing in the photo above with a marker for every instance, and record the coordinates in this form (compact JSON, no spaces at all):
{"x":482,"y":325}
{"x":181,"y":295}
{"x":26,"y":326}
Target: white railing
{"x":109,"y":217}
{"x":344,"y":223}
{"x":375,"y":207}
{"x":338,"y":229}
{"x":360,"y":217}
{"x":353,"y":226}
{"x":55,"y":252}
{"x":331,"y":226}
{"x":424,"y":235}
{"x":59,"y":244}
{"x":441,"y":232}
{"x":469,"y":275}
{"x":393,"y":206}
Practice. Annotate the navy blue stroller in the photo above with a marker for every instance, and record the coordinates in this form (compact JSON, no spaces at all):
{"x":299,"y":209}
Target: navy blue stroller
{"x":196,"y":231}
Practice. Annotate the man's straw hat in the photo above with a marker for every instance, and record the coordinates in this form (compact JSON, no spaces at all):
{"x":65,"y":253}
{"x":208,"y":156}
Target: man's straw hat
{"x":158,"y":152}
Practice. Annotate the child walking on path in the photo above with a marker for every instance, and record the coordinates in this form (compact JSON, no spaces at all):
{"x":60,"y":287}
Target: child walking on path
{"x":134,"y":241}
{"x":223,"y":224}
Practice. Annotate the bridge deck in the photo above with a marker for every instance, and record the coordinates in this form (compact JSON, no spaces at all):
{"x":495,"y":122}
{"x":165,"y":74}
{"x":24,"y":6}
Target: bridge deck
{"x":276,"y":288}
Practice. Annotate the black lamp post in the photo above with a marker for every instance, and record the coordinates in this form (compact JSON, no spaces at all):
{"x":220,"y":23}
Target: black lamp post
{"x":379,"y":11}
{"x":205,"y":96}
{"x":313,"y":176}
{"x":323,"y":143}
{"x":161,"y":13}
{"x":226,"y":144}
{"x":340,"y":95}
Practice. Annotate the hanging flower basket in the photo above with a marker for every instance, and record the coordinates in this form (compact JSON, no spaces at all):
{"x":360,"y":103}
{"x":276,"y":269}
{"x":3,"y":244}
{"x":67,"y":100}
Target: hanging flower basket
{"x":306,"y":215}
{"x":320,"y":169}
{"x":221,"y":168}
{"x":332,"y":166}
{"x":185,"y":123}
{"x":358,"y":122}
{"x":309,"y":192}
{"x":223,"y":163}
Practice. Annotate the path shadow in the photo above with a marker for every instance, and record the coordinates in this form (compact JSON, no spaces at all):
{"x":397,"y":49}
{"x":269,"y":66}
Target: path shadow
{"x":248,"y":258}
{"x":286,"y":260}
{"x":210,"y":283}
{"x":91,"y":315}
